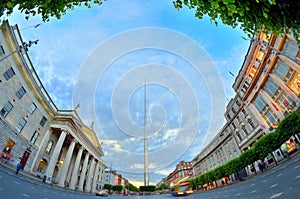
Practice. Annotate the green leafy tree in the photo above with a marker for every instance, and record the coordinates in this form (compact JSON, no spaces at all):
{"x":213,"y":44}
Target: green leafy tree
{"x":45,"y":8}
{"x":289,"y":126}
{"x":117,"y":188}
{"x":266,"y":144}
{"x":131,"y":187}
{"x":108,"y":186}
{"x":149,"y":188}
{"x":163,"y":186}
{"x":277,"y":16}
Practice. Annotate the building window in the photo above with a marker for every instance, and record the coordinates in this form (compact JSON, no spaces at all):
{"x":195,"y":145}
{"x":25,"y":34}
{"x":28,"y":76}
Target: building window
{"x":293,"y":83}
{"x":244,"y":112}
{"x":238,"y":103}
{"x":9,"y":73}
{"x":6,"y":109}
{"x":20,"y":92}
{"x":43,"y":121}
{"x":1,"y":51}
{"x":283,"y":71}
{"x":245,"y":130}
{"x":233,"y":110}
{"x":270,"y":87}
{"x":233,"y":125}
{"x":34,"y":137}
{"x":259,"y":103}
{"x":290,"y":49}
{"x":21,"y":125}
{"x":251,"y":123}
{"x":32,"y":108}
{"x":49,"y":147}
{"x":238,"y":118}
{"x":228,"y":116}
{"x":239,"y":136}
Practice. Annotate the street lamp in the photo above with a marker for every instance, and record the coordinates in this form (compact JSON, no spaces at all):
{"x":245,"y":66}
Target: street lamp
{"x":24,"y":46}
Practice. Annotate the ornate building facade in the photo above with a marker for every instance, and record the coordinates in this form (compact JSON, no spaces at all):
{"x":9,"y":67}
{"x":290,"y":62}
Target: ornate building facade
{"x":267,"y":88}
{"x":48,"y":142}
{"x":183,"y":169}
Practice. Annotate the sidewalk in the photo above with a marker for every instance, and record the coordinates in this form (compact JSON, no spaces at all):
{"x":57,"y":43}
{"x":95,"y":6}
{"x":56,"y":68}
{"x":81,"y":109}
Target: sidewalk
{"x":25,"y":176}
{"x":295,"y":157}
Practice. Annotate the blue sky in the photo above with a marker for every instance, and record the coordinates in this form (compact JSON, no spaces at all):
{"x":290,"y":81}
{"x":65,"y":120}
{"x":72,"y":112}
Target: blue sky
{"x":101,"y":58}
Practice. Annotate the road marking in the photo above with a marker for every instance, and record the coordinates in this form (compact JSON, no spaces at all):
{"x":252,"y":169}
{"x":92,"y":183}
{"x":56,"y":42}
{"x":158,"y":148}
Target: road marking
{"x":17,"y":182}
{"x":255,"y":190}
{"x":226,"y":196}
{"x":276,"y":195}
{"x":252,"y":184}
{"x":274,"y":185}
{"x":298,"y":176}
{"x":279,"y":175}
{"x":265,"y":180}
{"x":31,"y":187}
{"x":296,"y":167}
{"x":0,"y":176}
{"x":25,"y":195}
{"x":238,"y":194}
{"x":1,"y":189}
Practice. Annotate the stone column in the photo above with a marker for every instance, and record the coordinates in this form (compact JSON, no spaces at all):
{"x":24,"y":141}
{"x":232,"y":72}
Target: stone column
{"x":41,"y":150}
{"x":90,"y":175}
{"x":96,"y":174}
{"x":54,"y":156}
{"x":74,"y":177}
{"x":64,"y":169}
{"x":83,"y":171}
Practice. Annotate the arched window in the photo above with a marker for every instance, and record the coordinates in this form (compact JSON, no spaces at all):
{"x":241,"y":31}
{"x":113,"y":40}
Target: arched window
{"x":49,"y":147}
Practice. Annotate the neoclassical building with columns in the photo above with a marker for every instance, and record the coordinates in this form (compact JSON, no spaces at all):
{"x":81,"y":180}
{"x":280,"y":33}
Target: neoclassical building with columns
{"x":51,"y":143}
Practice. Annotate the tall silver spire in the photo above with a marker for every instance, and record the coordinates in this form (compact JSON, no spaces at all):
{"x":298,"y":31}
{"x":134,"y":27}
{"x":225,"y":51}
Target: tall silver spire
{"x":146,"y":172}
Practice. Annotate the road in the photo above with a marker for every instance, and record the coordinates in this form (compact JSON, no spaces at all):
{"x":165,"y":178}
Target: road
{"x":282,"y":182}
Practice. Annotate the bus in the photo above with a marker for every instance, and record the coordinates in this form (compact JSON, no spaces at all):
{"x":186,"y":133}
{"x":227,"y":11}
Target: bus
{"x":181,"y":187}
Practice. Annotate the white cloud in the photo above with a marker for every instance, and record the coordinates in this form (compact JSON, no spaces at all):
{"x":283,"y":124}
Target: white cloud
{"x":163,"y":172}
{"x":65,"y":44}
{"x":112,"y":145}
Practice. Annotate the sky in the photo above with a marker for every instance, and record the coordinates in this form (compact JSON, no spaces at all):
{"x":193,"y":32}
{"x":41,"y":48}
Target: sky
{"x":109,"y":57}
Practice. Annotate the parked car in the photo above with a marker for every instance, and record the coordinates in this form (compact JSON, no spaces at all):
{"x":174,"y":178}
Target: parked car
{"x":101,"y":193}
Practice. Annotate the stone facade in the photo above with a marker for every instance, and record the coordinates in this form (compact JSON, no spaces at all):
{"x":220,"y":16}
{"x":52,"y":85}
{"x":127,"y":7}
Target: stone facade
{"x":267,"y":88}
{"x":51,"y":143}
{"x":182,"y":169}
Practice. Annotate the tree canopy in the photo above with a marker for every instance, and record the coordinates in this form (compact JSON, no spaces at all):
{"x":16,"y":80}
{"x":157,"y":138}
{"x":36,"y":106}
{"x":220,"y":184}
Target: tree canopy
{"x":46,"y":8}
{"x":277,"y":16}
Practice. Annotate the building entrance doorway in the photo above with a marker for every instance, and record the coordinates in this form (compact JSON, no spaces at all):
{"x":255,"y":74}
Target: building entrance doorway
{"x":24,"y":158}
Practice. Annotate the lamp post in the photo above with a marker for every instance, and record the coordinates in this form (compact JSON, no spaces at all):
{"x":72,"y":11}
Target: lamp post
{"x":24,"y":46}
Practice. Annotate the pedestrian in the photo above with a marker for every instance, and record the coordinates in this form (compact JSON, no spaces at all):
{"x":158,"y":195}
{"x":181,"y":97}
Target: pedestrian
{"x":287,"y":155}
{"x":44,"y":179}
{"x":260,"y":166}
{"x":19,"y":166}
{"x":223,"y":183}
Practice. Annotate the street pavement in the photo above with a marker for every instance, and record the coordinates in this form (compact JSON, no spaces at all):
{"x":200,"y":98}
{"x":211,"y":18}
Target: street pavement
{"x":278,"y":182}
